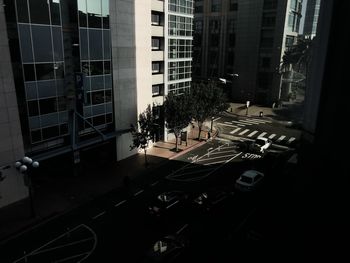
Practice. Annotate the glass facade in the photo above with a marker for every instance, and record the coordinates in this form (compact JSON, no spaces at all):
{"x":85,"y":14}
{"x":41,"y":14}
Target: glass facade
{"x":180,"y":45}
{"x":48,"y":31}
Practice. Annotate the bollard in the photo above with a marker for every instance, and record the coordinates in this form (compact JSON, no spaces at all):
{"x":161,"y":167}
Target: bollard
{"x":261,"y":114}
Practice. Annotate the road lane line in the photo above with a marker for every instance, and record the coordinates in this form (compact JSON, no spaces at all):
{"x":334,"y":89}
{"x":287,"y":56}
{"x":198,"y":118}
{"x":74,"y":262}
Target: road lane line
{"x":211,"y":158}
{"x":172,"y":204}
{"x":139,"y":192}
{"x":251,"y":134}
{"x":272,"y":136}
{"x":98,"y":215}
{"x":241,"y":123}
{"x":217,"y":119}
{"x":291,"y":140}
{"x":120,"y":203}
{"x":243,"y":132}
{"x":261,"y":120}
{"x":281,"y":138}
{"x":228,"y":125}
{"x":262,"y":134}
{"x":155,"y":183}
{"x":181,"y":229}
{"x":249,"y":122}
{"x":252,"y":121}
{"x":236,"y":130}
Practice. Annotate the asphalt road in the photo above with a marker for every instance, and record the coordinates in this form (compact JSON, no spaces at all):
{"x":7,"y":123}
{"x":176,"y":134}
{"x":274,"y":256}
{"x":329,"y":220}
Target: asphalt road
{"x":118,"y":226}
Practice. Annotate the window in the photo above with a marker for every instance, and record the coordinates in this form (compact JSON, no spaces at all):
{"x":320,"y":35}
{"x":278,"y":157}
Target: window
{"x":198,"y":6}
{"x":26,"y":43}
{"x":82,"y":13}
{"x":156,"y":19}
{"x":55,"y":12}
{"x":36,"y":136}
{"x":180,"y":26}
{"x":42,"y":43}
{"x":95,"y":44}
{"x":44,"y":71}
{"x":233,"y":5}
{"x":265,"y":62}
{"x":29,"y":73}
{"x":22,"y":11}
{"x":94,"y":13}
{"x":270,"y":4}
{"x":180,"y":48}
{"x":215,"y":5}
{"x":96,"y":67}
{"x":39,"y":12}
{"x":50,"y":132}
{"x":105,"y":13}
{"x":97,"y":97}
{"x":157,"y":67}
{"x":33,"y":109}
{"x":157,"y":90}
{"x":266,"y":38}
{"x":48,"y":105}
{"x":179,"y":70}
{"x":269,"y":19}
{"x":289,"y":41}
{"x":181,"y":6}
{"x":157,"y":43}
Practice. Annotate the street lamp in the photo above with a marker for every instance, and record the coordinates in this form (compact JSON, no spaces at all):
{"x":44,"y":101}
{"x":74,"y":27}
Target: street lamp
{"x":23,"y":166}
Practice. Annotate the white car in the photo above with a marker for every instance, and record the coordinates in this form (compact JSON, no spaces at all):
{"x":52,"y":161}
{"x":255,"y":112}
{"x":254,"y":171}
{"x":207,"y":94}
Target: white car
{"x":249,"y":181}
{"x":261,"y":144}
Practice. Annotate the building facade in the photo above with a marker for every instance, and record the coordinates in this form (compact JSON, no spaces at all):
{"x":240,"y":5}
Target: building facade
{"x":76,"y":74}
{"x":311,"y":18}
{"x":248,"y":38}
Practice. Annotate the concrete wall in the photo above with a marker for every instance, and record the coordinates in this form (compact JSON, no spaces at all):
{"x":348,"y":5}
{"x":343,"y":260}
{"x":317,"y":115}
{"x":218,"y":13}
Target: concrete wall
{"x":12,"y":187}
{"x":122,"y":25}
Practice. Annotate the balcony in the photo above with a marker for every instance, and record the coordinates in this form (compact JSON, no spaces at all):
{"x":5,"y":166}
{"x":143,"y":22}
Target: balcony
{"x":157,"y":5}
{"x":157,"y":55}
{"x":157,"y":79}
{"x":157,"y":31}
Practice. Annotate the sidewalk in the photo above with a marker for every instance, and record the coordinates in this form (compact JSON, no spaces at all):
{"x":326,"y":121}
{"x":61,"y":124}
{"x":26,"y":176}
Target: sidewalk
{"x":55,"y":194}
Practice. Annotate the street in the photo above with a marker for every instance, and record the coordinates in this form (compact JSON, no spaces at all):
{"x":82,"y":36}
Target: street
{"x":118,"y":226}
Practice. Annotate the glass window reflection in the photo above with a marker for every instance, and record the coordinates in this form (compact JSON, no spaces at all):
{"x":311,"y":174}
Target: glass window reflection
{"x":57,"y":43}
{"x":94,"y":13}
{"x":95,"y":44}
{"x":55,"y":12}
{"x":42,"y":43}
{"x":26,"y":43}
{"x":39,"y":12}
{"x":82,"y":13}
{"x":44,"y":71}
{"x":22,"y":11}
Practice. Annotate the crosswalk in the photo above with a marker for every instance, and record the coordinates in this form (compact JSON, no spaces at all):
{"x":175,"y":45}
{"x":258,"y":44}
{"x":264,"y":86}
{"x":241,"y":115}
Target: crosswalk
{"x":242,"y":127}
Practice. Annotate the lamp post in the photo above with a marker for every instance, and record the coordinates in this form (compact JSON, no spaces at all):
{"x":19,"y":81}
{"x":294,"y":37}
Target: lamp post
{"x":24,"y":166}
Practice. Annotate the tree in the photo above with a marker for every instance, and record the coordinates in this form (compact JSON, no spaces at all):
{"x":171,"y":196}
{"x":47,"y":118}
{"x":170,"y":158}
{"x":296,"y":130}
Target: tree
{"x":144,"y":132}
{"x":207,"y":100}
{"x":177,"y":113}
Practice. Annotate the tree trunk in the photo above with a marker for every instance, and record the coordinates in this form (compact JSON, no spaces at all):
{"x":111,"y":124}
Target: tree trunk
{"x":199,"y":130}
{"x":176,"y":135}
{"x":146,"y":162}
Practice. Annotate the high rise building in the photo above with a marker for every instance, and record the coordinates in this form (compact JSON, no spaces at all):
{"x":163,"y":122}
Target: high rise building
{"x":248,"y":38}
{"x":311,"y":17}
{"x":76,"y":73}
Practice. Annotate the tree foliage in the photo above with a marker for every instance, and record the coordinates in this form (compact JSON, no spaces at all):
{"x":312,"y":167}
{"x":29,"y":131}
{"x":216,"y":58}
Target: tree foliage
{"x":177,"y":112}
{"x":207,"y":100}
{"x":144,"y":131}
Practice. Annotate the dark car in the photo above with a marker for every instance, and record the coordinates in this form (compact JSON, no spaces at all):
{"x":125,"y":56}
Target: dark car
{"x":167,"y":249}
{"x":212,"y":198}
{"x":166,"y":201}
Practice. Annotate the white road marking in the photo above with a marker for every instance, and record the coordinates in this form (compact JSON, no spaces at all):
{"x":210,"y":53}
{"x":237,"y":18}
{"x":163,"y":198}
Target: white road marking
{"x":291,"y":140}
{"x":217,"y":119}
{"x":272,"y":136}
{"x":211,"y":158}
{"x":120,"y":203}
{"x":243,"y":132}
{"x":139,"y":192}
{"x":262,"y":134}
{"x":253,"y":121}
{"x":98,"y":215}
{"x":236,"y":130}
{"x":251,"y":134}
{"x":181,"y":229}
{"x":172,"y":204}
{"x":261,"y":120}
{"x":155,"y":183}
{"x":241,"y":123}
{"x":228,"y":122}
{"x":223,"y":152}
{"x":249,"y":122}
{"x":229,"y":125}
{"x":281,"y":138}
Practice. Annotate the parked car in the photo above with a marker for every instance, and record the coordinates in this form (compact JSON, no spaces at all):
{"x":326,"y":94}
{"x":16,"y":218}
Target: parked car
{"x":249,"y":181}
{"x":210,"y":199}
{"x":167,"y":249}
{"x":167,"y":200}
{"x":261,"y":144}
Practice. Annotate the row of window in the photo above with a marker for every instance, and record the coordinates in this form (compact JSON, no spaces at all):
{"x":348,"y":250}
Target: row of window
{"x":99,"y":120}
{"x":46,"y":133}
{"x":90,"y":111}
{"x":180,"y":26}
{"x":181,"y":6}
{"x":93,"y":13}
{"x":97,"y":97}
{"x":40,"y":43}
{"x":91,"y":68}
{"x":39,"y":12}
{"x":46,"y":106}
{"x":216,"y":6}
{"x":180,"y":48}
{"x":44,"y":89}
{"x":95,"y":44}
{"x":178,"y":88}
{"x":179,"y":70}
{"x":43,"y":71}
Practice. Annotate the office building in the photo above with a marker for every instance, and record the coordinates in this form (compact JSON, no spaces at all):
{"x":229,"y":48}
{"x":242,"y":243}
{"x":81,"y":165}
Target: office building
{"x":76,"y":74}
{"x":248,"y":38}
{"x":311,"y":18}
